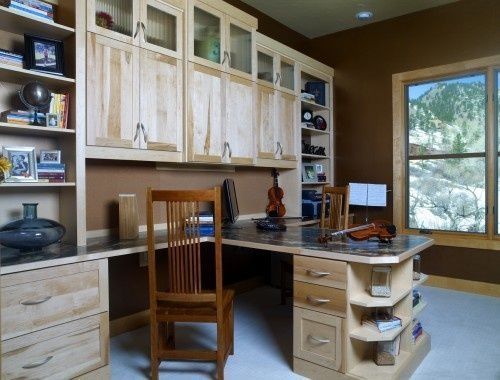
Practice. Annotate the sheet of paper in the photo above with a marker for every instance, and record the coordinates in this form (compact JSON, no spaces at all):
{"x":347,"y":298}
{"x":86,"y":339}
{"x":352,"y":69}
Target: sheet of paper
{"x":358,"y":194}
{"x":377,"y":195}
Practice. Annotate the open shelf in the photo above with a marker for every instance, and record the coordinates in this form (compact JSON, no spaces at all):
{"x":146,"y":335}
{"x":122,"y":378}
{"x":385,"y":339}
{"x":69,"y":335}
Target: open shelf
{"x":18,"y":22}
{"x":313,"y":106}
{"x":367,"y":334}
{"x":38,"y":184}
{"x":314,"y":156}
{"x":366,"y":300}
{"x":367,"y":369}
{"x":423,"y":278}
{"x":34,"y":130}
{"x":14,"y":74}
{"x":314,"y":131}
{"x":315,"y":183}
{"x":420,"y":306}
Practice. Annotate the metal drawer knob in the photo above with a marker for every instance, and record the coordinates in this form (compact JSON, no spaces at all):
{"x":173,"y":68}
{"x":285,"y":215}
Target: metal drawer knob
{"x":38,"y":363}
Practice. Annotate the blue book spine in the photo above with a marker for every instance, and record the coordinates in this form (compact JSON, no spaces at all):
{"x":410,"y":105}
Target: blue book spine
{"x":30,"y":12}
{"x":36,"y":4}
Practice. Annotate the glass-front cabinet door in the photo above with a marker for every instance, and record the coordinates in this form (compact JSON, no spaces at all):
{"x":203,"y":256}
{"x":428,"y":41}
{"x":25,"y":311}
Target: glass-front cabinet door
{"x":266,"y":67}
{"x":286,"y":75}
{"x":206,"y":41}
{"x":161,"y":27}
{"x":117,"y":19}
{"x":240,"y":48}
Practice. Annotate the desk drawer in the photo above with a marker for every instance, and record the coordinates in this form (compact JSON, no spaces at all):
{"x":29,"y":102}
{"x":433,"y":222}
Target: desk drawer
{"x":317,"y":338}
{"x":319,"y":298}
{"x":320,"y":271}
{"x":37,"y":299}
{"x":60,"y":352}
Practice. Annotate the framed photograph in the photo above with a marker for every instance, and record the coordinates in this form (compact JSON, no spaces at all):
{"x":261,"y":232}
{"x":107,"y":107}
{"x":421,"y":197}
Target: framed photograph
{"x":50,"y":157}
{"x":43,"y":54}
{"x":309,"y":172}
{"x":318,"y":168}
{"x":23,"y":161}
{"x":52,"y":120}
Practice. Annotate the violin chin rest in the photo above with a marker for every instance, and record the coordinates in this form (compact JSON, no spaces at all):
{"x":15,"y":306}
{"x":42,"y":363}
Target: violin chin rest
{"x":391,"y":229}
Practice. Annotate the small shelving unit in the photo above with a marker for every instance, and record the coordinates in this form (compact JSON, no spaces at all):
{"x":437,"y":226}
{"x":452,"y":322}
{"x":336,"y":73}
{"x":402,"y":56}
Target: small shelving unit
{"x":313,"y":131}
{"x":366,"y":334}
{"x":314,"y":106}
{"x":57,"y":201}
{"x":366,"y":300}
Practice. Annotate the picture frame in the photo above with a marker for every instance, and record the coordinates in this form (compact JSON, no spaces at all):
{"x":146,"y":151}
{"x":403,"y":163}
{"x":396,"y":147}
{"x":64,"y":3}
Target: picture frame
{"x":318,"y":168}
{"x":23,"y":161}
{"x":52,"y":120}
{"x":309,"y":172}
{"x":43,"y":54}
{"x":50,"y":156}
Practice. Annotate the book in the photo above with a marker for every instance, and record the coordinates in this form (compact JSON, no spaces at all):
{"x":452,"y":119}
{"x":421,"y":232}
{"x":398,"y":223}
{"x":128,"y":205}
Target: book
{"x":30,"y":11}
{"x":37,"y":4}
{"x":381,"y":322}
{"x":205,"y":230}
{"x":60,"y":105}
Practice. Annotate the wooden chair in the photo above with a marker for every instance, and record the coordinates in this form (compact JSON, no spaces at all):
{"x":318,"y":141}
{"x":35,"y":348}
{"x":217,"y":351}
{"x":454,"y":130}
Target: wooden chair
{"x":182,"y":299}
{"x":338,"y":216}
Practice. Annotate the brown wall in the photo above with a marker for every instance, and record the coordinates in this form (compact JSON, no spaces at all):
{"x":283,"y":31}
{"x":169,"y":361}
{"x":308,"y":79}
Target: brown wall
{"x":364,"y":60}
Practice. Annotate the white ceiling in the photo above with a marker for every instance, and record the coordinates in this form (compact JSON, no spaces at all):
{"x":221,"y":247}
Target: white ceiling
{"x":314,"y":18}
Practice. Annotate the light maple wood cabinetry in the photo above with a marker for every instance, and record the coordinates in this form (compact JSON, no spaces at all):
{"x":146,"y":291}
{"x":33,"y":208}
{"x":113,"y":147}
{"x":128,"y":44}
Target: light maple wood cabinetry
{"x":136,"y":104}
{"x":222,"y":37}
{"x":55,"y":321}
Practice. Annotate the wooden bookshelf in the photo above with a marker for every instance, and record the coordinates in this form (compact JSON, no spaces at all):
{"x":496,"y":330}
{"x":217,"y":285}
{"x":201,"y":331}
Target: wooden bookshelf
{"x":367,"y":334}
{"x":314,"y":156}
{"x":14,"y":74}
{"x":313,"y":131}
{"x":38,"y":184}
{"x":313,"y":106}
{"x":19,"y":23}
{"x":9,"y":128}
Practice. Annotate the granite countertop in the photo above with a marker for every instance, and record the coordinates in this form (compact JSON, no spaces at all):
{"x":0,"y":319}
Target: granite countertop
{"x":295,"y":240}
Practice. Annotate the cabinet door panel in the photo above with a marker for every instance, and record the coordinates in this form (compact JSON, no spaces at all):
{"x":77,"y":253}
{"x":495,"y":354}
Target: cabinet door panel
{"x":241,"y":48}
{"x":112,"y":80}
{"x":287,"y":116}
{"x":161,"y":102}
{"x":204,"y":113}
{"x":124,"y":16}
{"x":266,"y":121}
{"x":240,"y":120}
{"x":163,"y":27}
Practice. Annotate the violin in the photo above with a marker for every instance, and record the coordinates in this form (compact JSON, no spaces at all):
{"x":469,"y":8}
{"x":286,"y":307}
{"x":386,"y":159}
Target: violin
{"x":275,"y":207}
{"x":383,"y":230}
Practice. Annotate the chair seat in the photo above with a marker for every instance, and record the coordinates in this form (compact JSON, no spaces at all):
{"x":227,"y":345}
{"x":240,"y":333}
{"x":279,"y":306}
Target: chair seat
{"x":178,"y":311}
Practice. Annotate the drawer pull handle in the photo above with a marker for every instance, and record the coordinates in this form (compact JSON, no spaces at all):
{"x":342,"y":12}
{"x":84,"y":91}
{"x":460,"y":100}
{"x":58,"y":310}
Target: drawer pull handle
{"x":312,"y":299}
{"x":38,"y":364}
{"x":319,"y":339}
{"x":315,"y":273}
{"x":35,"y":302}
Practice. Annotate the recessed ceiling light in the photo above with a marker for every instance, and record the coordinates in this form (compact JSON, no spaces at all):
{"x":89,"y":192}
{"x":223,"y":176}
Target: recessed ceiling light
{"x":364,"y":15}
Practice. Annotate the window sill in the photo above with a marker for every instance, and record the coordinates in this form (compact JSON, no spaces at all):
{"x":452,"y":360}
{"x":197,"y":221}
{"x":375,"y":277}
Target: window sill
{"x":453,"y":239}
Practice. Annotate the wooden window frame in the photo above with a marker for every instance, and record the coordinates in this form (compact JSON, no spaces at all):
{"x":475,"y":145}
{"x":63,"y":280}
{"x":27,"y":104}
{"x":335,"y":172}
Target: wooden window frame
{"x":489,"y":66}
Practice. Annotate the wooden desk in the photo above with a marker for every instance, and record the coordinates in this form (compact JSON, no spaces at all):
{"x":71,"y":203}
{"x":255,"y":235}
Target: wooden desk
{"x":330,"y":295}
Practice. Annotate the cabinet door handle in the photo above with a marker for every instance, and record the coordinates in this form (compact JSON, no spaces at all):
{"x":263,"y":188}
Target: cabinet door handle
{"x":277,"y":78}
{"x":38,"y":363}
{"x":35,"y":302}
{"x":225,"y":57}
{"x":137,"y":131}
{"x":137,"y":26}
{"x":277,"y":147}
{"x":144,"y":132}
{"x":316,"y":300}
{"x":143,"y":31}
{"x":319,"y":339}
{"x":281,"y":147}
{"x":230,"y":151}
{"x":315,"y":273}
{"x":224,"y":150}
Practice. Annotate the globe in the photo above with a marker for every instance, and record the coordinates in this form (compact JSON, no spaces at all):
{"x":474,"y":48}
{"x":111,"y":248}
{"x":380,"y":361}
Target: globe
{"x":35,"y":96}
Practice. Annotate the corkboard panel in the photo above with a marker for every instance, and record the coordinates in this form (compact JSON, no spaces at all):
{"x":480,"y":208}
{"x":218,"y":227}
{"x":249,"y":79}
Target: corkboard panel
{"x":107,"y":179}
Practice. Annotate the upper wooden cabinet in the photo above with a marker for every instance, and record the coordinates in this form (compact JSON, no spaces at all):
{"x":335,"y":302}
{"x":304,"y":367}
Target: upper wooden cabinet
{"x":220,"y":117}
{"x":276,"y":71}
{"x":134,"y":100}
{"x":221,"y":37}
{"x":152,"y":24}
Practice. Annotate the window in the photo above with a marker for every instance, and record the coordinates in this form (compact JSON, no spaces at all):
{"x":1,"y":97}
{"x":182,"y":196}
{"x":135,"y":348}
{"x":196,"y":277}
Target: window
{"x":446,"y":160}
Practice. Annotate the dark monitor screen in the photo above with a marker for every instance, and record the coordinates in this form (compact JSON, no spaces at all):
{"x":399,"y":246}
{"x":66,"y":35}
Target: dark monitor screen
{"x":229,"y":201}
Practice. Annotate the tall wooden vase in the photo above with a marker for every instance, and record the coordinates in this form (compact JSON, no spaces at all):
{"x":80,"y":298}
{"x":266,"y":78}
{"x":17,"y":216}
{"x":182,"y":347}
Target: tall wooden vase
{"x":129,"y":218}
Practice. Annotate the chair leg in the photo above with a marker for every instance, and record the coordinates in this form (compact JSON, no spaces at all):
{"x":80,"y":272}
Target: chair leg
{"x":154,"y":349}
{"x":231,"y":329}
{"x":221,"y":350}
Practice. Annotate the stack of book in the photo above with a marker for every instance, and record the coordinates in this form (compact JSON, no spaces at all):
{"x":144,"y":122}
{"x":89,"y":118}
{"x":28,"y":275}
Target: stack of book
{"x":11,"y":58}
{"x":31,"y":8}
{"x":60,"y":105}
{"x":21,"y":117}
{"x":416,"y":330}
{"x":51,"y":172}
{"x":381,"y":321}
{"x":205,"y":226}
{"x":307,"y":124}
